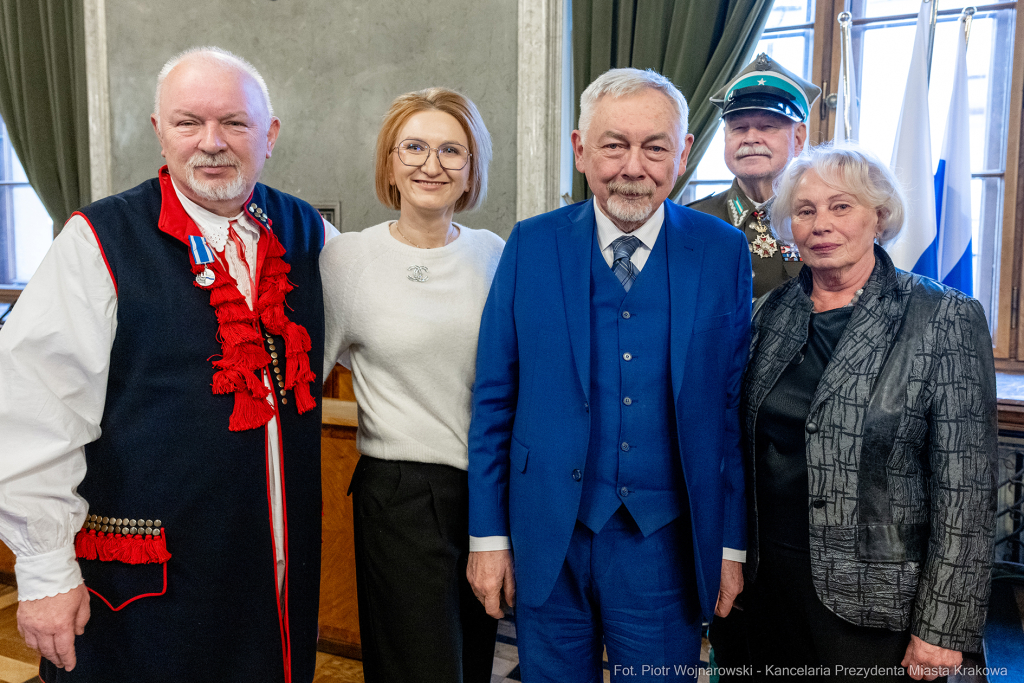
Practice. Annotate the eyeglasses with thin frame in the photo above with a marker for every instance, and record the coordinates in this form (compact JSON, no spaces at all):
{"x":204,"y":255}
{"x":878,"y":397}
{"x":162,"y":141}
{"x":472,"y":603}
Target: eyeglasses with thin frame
{"x":451,"y":155}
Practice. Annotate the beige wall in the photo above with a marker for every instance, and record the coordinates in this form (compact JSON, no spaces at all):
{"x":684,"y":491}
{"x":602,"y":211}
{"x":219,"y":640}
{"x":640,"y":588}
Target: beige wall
{"x":332,"y":67}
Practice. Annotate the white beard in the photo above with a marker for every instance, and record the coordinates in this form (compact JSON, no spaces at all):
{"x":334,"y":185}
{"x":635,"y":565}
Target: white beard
{"x":630,"y":211}
{"x":214,"y":190}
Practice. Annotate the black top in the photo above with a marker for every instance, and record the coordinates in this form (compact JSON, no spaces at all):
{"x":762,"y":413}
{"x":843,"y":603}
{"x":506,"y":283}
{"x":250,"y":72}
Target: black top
{"x":782,"y":497}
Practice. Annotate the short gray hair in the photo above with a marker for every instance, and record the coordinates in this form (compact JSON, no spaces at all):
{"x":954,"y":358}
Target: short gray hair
{"x":214,"y":53}
{"x":849,"y":168}
{"x":619,"y":82}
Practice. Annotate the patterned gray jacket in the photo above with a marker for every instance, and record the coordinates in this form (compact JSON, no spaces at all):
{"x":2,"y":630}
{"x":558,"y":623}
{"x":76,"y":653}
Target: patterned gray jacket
{"x":924,"y":563}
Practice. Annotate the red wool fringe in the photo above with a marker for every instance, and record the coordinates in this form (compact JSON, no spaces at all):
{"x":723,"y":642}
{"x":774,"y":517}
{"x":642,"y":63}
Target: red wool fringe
{"x":93,"y":545}
{"x":239,"y":370}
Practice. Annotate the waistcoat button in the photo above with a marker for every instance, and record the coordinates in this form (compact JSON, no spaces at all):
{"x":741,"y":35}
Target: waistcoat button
{"x":577,"y":475}
{"x":812,"y":428}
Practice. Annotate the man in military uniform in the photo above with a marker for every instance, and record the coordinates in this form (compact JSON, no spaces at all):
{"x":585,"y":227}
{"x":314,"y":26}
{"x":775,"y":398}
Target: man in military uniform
{"x":765,"y":109}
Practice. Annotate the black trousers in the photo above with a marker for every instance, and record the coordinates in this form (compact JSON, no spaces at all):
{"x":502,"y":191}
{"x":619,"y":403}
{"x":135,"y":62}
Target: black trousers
{"x":789,"y":628}
{"x":418,"y":618}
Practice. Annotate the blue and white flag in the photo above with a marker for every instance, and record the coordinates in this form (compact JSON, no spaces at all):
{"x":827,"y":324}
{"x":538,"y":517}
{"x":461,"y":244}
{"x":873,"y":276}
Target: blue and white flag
{"x":953,"y":184}
{"x":915,"y":248}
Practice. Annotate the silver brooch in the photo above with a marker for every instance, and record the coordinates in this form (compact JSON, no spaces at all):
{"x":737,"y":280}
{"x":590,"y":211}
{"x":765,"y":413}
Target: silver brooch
{"x":419,"y":273}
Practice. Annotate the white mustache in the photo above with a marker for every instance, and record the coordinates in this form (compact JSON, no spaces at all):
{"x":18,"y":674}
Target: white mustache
{"x":634,"y":189}
{"x":753,"y":150}
{"x":207,"y":160}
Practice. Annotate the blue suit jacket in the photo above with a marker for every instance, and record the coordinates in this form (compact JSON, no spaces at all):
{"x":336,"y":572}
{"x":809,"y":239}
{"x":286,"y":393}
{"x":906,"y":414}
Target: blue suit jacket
{"x":531,"y":420}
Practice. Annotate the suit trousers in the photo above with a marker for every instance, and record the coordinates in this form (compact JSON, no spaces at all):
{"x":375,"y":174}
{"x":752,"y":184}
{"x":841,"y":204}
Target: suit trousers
{"x":418,"y":618}
{"x":790,"y":628}
{"x":636,"y":596}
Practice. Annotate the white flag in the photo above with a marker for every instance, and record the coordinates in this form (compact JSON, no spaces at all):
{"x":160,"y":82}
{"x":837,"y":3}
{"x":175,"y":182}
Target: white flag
{"x":915,"y":248}
{"x":953,"y":184}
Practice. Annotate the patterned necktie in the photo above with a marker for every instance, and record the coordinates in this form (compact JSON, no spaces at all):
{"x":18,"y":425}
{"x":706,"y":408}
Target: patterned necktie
{"x":622,"y":249}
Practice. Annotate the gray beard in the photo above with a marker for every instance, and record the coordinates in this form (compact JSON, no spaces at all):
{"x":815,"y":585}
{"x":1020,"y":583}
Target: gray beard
{"x":214,"y":191}
{"x":630,"y":211}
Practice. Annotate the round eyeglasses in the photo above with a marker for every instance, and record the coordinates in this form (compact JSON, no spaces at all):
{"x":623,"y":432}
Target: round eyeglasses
{"x":451,"y":155}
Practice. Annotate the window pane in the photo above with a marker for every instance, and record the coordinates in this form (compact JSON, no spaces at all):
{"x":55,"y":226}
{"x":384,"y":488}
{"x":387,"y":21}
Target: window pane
{"x":987,"y":239}
{"x":26,"y":229}
{"x":33,"y":229}
{"x":790,"y":13}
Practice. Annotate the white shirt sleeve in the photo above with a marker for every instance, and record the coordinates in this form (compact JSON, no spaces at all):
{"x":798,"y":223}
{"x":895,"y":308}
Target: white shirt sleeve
{"x":330,"y":232}
{"x":54,"y":360}
{"x":480,"y":544}
{"x":734,"y":555}
{"x":334,"y":278}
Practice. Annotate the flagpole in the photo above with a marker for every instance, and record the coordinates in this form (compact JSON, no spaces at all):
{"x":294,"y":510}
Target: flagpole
{"x":845,"y":19}
{"x":967,"y":16}
{"x":931,"y":33}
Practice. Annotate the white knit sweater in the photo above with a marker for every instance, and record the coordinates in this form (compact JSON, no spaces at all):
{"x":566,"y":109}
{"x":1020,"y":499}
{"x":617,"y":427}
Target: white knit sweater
{"x":411,"y":345}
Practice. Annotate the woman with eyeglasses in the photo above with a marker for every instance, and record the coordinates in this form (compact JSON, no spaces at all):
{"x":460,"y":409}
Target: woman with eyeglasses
{"x":403,"y":303}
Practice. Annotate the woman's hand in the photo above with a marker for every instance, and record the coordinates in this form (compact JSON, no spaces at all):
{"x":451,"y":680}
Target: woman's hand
{"x":925,"y":661}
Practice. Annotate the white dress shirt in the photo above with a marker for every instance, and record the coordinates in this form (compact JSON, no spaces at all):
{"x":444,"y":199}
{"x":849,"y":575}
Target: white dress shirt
{"x":54,"y":361}
{"x":608,"y":232}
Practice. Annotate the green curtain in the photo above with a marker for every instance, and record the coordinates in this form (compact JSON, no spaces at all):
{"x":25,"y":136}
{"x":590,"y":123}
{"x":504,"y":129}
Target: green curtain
{"x":697,"y":44}
{"x":43,"y":99}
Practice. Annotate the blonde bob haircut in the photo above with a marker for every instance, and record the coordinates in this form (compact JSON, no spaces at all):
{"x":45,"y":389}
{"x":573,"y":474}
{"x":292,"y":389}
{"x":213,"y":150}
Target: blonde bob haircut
{"x":434,"y":99}
{"x":847,"y":168}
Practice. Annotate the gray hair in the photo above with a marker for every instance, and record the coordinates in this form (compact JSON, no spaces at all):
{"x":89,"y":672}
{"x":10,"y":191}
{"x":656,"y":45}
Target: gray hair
{"x":849,"y":168}
{"x":619,"y":82}
{"x":213,"y":53}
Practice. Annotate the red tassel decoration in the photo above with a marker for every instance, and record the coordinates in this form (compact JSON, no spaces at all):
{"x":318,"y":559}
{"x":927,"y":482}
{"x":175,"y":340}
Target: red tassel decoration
{"x":303,"y":398}
{"x":156,"y":549}
{"x":138,"y":549}
{"x":85,"y":544}
{"x":243,"y":356}
{"x":249,"y":413}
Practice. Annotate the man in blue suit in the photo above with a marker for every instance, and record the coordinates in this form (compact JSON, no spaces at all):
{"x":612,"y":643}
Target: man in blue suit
{"x":604,"y":451}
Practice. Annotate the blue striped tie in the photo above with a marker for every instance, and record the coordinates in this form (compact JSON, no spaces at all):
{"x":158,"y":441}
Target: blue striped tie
{"x":622,"y":249}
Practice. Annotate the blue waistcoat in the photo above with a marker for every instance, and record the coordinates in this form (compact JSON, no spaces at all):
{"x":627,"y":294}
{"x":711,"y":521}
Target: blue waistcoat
{"x":633,"y":455}
{"x":166,"y":453}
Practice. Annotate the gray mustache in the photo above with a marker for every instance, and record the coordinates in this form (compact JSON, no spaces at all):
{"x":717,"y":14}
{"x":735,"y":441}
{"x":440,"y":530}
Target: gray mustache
{"x":753,"y":150}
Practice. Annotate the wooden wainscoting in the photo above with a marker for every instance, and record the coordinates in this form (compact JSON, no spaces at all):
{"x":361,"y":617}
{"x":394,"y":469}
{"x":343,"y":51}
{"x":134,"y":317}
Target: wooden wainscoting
{"x":339,"y":613}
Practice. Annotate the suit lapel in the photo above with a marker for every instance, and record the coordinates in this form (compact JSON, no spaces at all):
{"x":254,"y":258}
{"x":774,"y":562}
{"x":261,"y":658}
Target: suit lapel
{"x":575,"y":241}
{"x":685,"y":257}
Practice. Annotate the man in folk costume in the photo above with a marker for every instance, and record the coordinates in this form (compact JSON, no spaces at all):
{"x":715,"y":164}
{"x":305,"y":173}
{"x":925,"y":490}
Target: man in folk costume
{"x":159,"y":411}
{"x":765,"y":110}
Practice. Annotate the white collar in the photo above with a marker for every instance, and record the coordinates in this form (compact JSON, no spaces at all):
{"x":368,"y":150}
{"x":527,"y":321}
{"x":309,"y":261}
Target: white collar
{"x":607,"y":232}
{"x":213,"y":226}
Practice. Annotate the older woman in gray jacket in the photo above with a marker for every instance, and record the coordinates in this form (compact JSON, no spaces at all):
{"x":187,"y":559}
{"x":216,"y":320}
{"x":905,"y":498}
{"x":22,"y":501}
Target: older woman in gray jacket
{"x":870,"y":417}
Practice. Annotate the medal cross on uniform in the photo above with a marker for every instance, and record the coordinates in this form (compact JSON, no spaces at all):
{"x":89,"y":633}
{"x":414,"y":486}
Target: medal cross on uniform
{"x":764,"y":245}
